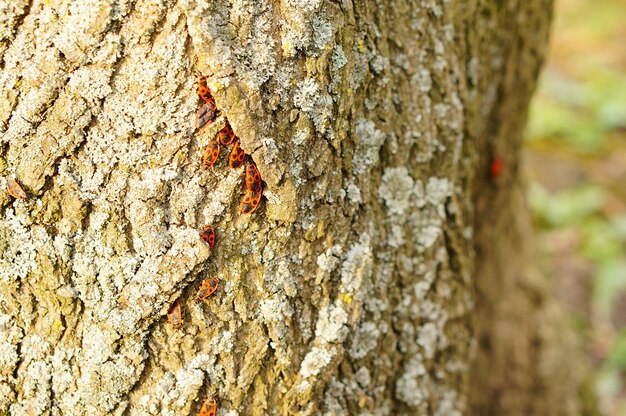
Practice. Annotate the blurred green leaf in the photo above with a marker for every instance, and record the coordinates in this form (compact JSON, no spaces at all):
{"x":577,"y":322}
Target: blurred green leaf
{"x":565,"y":208}
{"x":619,"y":222}
{"x":564,"y":91}
{"x":609,"y":281}
{"x":577,"y":116}
{"x":549,"y":120}
{"x":602,"y":241}
{"x":608,"y":98}
{"x":618,"y":351}
{"x":609,"y":381}
{"x":600,"y":18}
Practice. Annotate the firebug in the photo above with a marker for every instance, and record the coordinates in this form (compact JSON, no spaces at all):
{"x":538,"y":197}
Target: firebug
{"x":207,"y":288}
{"x":497,"y":165}
{"x":236,"y":157}
{"x":175,"y":315}
{"x":208,"y":235}
{"x":209,"y":407}
{"x":250,"y":202}
{"x":253,"y":177}
{"x":15,"y":190}
{"x":204,"y":92}
{"x":206,"y":114}
{"x":227,"y":135}
{"x":210,"y":155}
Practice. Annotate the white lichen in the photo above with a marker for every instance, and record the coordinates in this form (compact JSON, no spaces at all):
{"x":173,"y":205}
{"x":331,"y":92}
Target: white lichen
{"x":357,"y":266}
{"x":369,"y":140}
{"x":329,"y":260}
{"x":353,"y":193}
{"x":315,"y":361}
{"x":19,"y":251}
{"x":323,"y":31}
{"x":275,"y":310}
{"x":331,"y":324}
{"x":396,"y":189}
{"x":307,"y":94}
{"x":408,"y":389}
{"x":365,"y":340}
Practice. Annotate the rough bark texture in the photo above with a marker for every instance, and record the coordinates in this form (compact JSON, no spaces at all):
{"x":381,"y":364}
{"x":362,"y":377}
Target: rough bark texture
{"x":351,"y":291}
{"x":506,"y":321}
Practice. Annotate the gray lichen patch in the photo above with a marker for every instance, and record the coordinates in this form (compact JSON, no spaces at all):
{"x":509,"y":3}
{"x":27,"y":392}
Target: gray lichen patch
{"x":369,"y":141}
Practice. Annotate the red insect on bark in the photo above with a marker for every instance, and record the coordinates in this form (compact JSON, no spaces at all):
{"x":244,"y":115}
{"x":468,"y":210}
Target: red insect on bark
{"x":496,"y":167}
{"x":210,"y":155}
{"x":227,"y":135}
{"x":15,"y":190}
{"x":175,"y":315}
{"x":206,"y":114}
{"x":207,"y":288}
{"x":236,"y":157}
{"x":209,"y":407}
{"x":254,"y":183}
{"x":250,"y":202}
{"x":208,"y":235}
{"x":204,"y":92}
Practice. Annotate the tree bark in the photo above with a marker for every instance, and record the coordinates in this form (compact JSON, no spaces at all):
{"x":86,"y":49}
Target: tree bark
{"x":350,"y":291}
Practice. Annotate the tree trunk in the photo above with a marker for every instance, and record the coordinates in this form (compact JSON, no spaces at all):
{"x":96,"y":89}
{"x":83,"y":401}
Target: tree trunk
{"x":350,"y":290}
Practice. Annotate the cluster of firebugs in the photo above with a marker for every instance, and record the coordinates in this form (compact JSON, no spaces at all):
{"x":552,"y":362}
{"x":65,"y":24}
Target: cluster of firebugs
{"x":206,"y":114}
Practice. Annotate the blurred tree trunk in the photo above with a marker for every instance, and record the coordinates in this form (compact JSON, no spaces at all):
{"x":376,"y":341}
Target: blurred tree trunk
{"x":351,"y":290}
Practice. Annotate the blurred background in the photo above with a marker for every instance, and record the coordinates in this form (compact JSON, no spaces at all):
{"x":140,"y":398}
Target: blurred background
{"x":575,"y":165}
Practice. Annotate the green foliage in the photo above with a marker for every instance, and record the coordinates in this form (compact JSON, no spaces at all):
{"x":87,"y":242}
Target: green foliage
{"x":603,"y":240}
{"x":579,"y":115}
{"x":570,"y":207}
{"x":577,"y":121}
{"x":610,"y":280}
{"x":619,"y":356}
